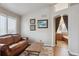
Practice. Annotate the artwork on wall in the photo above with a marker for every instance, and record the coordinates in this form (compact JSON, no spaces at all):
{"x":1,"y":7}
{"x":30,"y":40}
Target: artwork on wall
{"x":32,"y":24}
{"x":32,"y":21}
{"x":32,"y":27}
{"x":42,"y":23}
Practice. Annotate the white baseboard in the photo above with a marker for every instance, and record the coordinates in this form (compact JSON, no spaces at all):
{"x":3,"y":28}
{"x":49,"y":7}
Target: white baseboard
{"x":48,"y":45}
{"x":73,"y":53}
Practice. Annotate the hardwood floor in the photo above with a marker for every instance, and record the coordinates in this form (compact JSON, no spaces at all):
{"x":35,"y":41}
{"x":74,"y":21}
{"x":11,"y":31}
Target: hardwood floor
{"x":61,"y":49}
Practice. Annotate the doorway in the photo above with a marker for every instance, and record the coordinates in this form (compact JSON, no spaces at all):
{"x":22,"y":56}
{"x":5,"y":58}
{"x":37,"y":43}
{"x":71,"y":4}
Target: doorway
{"x":61,"y":28}
{"x":61,"y":34}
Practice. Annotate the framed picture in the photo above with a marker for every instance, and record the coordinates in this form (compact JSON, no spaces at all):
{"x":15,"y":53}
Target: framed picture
{"x":32,"y":27}
{"x":42,"y":23}
{"x":32,"y":21}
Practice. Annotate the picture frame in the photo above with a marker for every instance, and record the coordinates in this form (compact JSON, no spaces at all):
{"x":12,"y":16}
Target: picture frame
{"x":42,"y":23}
{"x":32,"y":27}
{"x":32,"y":21}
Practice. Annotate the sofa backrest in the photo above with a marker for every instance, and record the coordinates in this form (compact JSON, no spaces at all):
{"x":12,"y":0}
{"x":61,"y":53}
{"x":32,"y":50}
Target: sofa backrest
{"x":16,"y":37}
{"x":10,"y":39}
{"x":6,"y":39}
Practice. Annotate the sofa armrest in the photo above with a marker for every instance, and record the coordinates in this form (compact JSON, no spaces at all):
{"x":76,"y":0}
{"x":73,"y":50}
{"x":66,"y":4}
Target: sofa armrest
{"x":4,"y":50}
{"x":26,"y":39}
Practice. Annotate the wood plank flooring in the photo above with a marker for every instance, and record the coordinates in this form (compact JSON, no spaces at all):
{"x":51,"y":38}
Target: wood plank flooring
{"x":61,"y":49}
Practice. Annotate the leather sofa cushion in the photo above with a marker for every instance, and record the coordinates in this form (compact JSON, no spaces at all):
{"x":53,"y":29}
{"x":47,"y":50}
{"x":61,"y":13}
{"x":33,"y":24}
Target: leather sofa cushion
{"x":18,"y":45}
{"x":8,"y":40}
{"x":16,"y":38}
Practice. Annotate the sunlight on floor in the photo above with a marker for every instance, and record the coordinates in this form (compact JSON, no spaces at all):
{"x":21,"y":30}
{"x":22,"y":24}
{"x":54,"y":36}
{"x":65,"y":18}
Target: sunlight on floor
{"x":61,"y":49}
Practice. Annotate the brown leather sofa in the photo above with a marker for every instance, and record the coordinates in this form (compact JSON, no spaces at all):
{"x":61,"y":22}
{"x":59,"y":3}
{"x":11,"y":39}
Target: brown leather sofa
{"x":12,"y":44}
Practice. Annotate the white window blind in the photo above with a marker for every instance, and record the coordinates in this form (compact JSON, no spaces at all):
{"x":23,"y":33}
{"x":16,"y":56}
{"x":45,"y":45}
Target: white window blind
{"x":3,"y":25}
{"x":11,"y":25}
{"x":7,"y":24}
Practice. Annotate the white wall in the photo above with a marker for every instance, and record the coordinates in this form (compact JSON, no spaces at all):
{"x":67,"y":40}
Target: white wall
{"x":40,"y":34}
{"x":74,"y":29}
{"x":48,"y":35}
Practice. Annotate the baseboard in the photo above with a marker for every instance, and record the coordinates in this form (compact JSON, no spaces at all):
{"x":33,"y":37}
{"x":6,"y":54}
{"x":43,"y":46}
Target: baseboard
{"x":47,"y":45}
{"x":72,"y":53}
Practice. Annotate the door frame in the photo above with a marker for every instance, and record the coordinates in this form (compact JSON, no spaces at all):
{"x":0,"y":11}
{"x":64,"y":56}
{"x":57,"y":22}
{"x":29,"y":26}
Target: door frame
{"x":55,"y":41}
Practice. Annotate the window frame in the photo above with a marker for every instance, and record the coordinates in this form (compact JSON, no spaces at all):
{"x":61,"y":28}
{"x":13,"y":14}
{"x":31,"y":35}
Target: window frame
{"x":7,"y":16}
{"x":8,"y":26}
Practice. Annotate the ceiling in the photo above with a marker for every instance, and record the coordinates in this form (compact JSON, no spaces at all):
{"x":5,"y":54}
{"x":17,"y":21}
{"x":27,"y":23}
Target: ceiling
{"x":24,"y":8}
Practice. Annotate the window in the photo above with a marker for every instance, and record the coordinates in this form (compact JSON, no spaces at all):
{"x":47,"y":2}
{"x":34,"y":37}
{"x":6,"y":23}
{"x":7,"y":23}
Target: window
{"x":3,"y":25}
{"x":7,"y":25}
{"x":11,"y":25}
